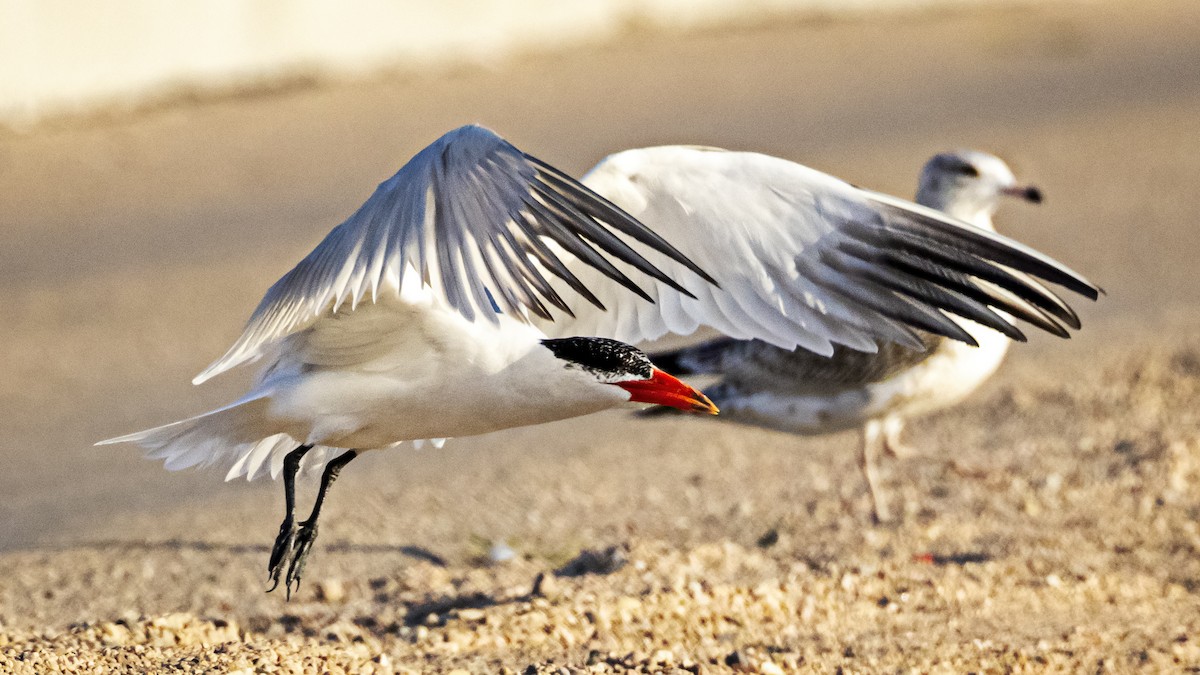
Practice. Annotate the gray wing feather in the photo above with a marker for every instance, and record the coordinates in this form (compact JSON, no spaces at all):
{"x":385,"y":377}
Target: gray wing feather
{"x":753,"y":365}
{"x":914,"y":265}
{"x":467,"y":214}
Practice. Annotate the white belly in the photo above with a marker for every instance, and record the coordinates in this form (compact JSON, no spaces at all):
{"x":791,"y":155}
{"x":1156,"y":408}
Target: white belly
{"x":944,"y":379}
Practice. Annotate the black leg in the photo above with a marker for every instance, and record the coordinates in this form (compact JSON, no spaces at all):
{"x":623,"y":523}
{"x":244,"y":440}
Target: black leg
{"x":331,"y":473}
{"x":306,"y":533}
{"x":285,"y":542}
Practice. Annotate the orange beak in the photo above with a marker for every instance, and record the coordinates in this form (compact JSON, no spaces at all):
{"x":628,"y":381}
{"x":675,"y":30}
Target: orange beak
{"x":662,"y":389}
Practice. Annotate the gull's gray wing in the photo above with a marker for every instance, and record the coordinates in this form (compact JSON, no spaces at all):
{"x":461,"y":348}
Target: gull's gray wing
{"x":754,"y":365}
{"x":472,"y":216}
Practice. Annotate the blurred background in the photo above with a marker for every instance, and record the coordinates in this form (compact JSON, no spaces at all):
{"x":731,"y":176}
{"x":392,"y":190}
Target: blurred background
{"x":162,"y":163}
{"x":67,"y":56}
{"x":165,"y":162}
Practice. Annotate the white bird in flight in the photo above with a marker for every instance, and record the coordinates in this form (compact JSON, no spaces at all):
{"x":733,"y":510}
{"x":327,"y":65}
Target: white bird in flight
{"x":805,"y":393}
{"x":443,"y":306}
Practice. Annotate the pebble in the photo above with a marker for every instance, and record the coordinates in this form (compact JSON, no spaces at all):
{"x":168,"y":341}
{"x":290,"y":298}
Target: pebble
{"x":501,"y":552}
{"x":331,"y":590}
{"x":472,"y":614}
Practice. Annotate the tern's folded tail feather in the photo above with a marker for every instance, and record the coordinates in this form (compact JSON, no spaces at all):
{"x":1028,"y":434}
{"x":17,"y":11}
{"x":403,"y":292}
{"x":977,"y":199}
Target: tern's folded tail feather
{"x":229,"y":436}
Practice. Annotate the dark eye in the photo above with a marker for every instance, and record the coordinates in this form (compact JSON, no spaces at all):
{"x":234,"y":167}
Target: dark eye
{"x":967,"y":170}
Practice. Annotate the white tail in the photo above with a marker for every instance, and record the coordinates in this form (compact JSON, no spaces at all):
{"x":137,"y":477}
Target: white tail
{"x":231,"y":435}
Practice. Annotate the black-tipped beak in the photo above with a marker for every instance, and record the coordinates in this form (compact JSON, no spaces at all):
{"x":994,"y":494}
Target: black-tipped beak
{"x":1027,"y":192}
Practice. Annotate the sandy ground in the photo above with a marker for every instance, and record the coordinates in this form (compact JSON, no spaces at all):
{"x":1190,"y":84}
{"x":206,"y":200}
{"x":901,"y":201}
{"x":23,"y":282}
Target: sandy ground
{"x":1049,"y":524}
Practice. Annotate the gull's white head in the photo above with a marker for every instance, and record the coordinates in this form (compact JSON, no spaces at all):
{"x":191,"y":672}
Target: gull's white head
{"x":968,"y":185}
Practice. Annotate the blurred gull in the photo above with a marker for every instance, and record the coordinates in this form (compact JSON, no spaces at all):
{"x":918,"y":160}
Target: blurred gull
{"x":806,"y":393}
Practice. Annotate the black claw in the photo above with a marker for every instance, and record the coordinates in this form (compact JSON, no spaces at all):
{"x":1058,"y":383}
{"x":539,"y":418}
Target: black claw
{"x":285,"y":546}
{"x":305,"y":538}
{"x":287,"y":531}
{"x":290,"y":554}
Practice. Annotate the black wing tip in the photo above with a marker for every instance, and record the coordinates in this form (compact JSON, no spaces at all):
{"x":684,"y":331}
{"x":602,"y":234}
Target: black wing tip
{"x":964,"y":337}
{"x":1036,"y":310}
{"x":703,"y":275}
{"x":1069,"y":317}
{"x":658,"y":243}
{"x":1078,"y":284}
{"x":1036,"y":263}
{"x":1010,"y":331}
{"x":641,"y":294}
{"x":1058,"y":330}
{"x":676,"y":286}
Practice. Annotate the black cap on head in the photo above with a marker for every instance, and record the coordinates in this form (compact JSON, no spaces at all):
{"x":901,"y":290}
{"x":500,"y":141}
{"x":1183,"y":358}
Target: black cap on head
{"x":605,"y":358}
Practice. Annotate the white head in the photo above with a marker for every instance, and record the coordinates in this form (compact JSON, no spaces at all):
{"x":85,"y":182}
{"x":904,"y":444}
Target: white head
{"x":968,"y":185}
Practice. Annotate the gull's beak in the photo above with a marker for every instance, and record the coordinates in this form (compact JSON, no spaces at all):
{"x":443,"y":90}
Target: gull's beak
{"x":663,"y":389}
{"x":1027,"y":192}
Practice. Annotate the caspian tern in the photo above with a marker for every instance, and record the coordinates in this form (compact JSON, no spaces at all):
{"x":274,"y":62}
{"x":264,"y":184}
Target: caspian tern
{"x":408,"y":322}
{"x":440,"y":308}
{"x":806,"y":393}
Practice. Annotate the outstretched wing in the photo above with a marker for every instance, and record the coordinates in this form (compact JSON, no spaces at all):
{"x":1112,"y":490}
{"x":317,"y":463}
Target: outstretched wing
{"x":472,"y":218}
{"x":803,"y":259}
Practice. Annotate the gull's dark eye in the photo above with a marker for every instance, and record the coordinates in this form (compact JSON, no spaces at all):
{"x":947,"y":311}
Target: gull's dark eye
{"x":968,"y":170}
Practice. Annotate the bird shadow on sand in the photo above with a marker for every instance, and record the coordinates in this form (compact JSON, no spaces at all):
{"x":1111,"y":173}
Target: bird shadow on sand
{"x":433,"y":611}
{"x":417,"y":552}
{"x":588,"y":562}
